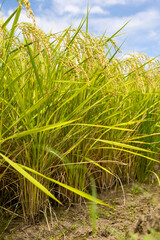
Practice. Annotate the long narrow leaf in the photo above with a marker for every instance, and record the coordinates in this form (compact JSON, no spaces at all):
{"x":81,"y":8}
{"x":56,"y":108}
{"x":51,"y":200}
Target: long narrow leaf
{"x":19,"y":169}
{"x":36,"y":130}
{"x":83,"y":194}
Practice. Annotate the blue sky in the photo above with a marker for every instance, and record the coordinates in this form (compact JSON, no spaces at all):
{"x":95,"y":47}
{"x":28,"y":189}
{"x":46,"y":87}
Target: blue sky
{"x":142,"y":34}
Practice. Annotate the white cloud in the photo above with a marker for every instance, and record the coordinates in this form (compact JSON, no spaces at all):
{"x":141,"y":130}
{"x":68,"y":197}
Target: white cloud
{"x":72,"y":9}
{"x":139,"y":23}
{"x":109,"y":2}
{"x":98,"y":10}
{"x":61,"y":5}
{"x":145,"y":20}
{"x":153,"y":34}
{"x":53,"y":24}
{"x":138,"y":1}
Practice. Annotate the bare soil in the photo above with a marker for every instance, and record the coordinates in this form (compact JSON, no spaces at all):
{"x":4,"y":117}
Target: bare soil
{"x":136,"y":216}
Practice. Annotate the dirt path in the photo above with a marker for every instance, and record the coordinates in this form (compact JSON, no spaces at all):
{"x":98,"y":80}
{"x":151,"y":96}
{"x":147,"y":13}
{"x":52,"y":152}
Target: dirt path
{"x":139,"y":215}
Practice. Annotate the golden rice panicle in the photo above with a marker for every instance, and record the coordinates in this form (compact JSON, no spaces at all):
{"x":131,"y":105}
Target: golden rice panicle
{"x":29,"y":11}
{"x":38,"y":36}
{"x":85,"y":47}
{"x":34,"y":33}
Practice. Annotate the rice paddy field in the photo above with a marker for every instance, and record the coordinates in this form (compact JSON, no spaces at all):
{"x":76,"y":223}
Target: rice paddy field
{"x":75,"y":120}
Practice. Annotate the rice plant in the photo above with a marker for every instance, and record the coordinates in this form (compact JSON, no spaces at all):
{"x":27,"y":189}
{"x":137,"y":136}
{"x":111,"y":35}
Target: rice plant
{"x":72,"y":111}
